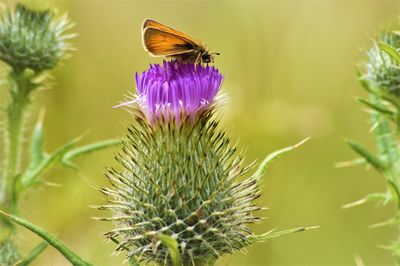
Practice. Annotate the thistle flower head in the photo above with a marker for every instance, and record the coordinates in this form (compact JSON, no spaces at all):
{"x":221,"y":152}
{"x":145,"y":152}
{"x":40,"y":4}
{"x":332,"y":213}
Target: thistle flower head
{"x":381,"y":69}
{"x":176,"y":91}
{"x":33,"y":39}
{"x":184,"y":180}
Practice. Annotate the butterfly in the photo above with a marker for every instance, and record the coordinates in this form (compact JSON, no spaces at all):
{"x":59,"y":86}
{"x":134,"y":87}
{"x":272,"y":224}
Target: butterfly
{"x":162,"y":41}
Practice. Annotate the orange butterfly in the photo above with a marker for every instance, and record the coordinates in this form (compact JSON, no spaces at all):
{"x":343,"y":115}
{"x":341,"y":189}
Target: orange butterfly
{"x":160,"y":40}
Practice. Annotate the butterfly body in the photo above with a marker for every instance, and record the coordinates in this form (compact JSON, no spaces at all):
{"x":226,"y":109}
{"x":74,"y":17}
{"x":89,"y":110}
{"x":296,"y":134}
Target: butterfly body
{"x":162,"y":41}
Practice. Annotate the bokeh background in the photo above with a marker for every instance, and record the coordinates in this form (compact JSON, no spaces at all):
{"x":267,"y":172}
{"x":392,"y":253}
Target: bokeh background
{"x":290,"y":72}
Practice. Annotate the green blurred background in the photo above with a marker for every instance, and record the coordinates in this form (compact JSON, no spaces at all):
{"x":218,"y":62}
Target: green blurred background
{"x":290,"y":72}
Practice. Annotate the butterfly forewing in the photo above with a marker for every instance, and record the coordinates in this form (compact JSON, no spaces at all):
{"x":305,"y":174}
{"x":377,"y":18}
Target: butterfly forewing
{"x":161,"y":43}
{"x":149,"y":23}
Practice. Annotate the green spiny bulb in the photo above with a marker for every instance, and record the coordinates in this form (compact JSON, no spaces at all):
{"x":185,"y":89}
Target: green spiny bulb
{"x":180,"y":174}
{"x":8,"y":253}
{"x":381,"y":69}
{"x":33,"y":39}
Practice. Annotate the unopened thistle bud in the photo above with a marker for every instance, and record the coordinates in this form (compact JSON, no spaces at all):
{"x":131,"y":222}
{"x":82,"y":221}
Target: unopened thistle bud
{"x":33,"y":39}
{"x":180,"y":174}
{"x":381,"y":70}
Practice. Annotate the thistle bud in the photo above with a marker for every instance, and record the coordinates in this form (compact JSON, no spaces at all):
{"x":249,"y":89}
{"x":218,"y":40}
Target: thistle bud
{"x":33,"y":39}
{"x":381,"y":70}
{"x":179,"y":173}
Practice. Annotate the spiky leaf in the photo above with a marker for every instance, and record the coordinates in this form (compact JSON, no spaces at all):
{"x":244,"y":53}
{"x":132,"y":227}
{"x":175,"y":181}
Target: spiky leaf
{"x":370,"y":157}
{"x":273,"y":156}
{"x":391,"y":51}
{"x":52,"y":240}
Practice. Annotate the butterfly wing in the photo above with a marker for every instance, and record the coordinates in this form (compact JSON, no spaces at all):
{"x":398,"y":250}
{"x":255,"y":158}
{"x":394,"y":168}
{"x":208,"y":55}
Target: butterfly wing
{"x":161,"y":43}
{"x":157,"y":25}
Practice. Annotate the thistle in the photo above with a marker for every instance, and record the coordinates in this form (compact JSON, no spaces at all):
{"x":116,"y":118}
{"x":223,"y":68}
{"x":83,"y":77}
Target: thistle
{"x":32,"y":41}
{"x":182,"y":196}
{"x":380,"y":77}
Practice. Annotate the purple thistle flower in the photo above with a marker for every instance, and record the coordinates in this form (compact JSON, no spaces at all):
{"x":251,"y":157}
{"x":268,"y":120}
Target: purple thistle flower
{"x":176,"y":90}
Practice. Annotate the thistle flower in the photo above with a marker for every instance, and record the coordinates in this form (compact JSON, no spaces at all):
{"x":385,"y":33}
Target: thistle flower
{"x":33,"y":39}
{"x":175,"y":91}
{"x":381,"y":70}
{"x":180,"y":175}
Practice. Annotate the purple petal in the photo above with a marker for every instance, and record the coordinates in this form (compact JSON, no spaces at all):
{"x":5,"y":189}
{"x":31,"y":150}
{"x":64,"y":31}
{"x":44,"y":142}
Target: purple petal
{"x":177,"y":87}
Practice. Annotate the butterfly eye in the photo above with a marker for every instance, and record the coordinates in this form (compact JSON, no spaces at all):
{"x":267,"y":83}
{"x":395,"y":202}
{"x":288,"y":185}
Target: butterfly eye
{"x":206,"y":58}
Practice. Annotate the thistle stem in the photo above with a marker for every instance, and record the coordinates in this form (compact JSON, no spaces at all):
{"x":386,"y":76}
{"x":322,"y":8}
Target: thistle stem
{"x":21,"y":87}
{"x":388,"y":149}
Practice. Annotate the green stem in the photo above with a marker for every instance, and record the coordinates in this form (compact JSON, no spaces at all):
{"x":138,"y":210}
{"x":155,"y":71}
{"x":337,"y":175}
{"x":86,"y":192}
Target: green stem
{"x":385,"y":140}
{"x":386,"y":145}
{"x":21,"y":87}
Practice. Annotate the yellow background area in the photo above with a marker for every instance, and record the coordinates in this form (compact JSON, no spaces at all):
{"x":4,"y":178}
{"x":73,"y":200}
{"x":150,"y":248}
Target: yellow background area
{"x":290,"y":72}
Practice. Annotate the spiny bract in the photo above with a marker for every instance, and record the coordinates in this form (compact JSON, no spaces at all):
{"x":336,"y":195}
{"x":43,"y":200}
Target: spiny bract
{"x":381,"y":69}
{"x":182,"y":181}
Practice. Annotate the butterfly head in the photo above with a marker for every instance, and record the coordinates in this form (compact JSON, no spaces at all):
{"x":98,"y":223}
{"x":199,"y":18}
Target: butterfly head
{"x":207,"y":57}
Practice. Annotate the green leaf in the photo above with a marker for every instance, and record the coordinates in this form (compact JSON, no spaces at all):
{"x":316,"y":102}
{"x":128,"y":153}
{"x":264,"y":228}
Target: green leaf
{"x":62,"y":155}
{"x":86,"y":149}
{"x":371,"y":158}
{"x":390,"y":98}
{"x":377,"y":107}
{"x":271,"y":157}
{"x":52,"y":240}
{"x":381,"y":94}
{"x":37,"y":153}
{"x":31,"y":175}
{"x":33,"y":254}
{"x":274,"y":234}
{"x":172,"y":245}
{"x":391,"y":51}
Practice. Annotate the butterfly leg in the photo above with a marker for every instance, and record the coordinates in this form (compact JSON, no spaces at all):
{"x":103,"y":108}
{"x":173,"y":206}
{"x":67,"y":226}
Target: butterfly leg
{"x":197,"y":61}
